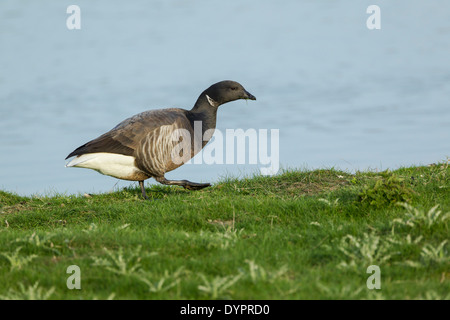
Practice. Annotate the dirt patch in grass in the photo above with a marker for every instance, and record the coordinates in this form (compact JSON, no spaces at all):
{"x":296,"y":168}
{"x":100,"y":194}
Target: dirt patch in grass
{"x":312,"y":183}
{"x":20,"y":207}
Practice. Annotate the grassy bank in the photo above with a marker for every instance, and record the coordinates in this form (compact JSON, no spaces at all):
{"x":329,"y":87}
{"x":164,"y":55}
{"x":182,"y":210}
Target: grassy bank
{"x":297,"y":235}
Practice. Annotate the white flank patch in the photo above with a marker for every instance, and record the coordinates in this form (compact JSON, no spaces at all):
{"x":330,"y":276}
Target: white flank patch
{"x":111,"y":164}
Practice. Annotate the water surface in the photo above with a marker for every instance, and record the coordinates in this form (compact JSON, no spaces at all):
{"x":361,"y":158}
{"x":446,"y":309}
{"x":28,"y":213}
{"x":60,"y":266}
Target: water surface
{"x":340,"y":94}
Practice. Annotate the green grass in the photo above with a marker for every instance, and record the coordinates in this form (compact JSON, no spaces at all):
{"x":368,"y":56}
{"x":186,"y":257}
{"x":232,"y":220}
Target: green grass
{"x":297,"y":235}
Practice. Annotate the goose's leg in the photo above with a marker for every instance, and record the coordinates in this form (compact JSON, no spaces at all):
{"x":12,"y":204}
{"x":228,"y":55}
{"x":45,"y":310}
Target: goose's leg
{"x":141,"y":184}
{"x":183,"y":183}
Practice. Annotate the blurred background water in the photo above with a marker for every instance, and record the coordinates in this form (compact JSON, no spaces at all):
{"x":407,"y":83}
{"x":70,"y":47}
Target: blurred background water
{"x":342,"y":95}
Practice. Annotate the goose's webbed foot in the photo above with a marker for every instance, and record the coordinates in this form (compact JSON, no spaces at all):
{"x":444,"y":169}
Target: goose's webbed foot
{"x":183,"y":183}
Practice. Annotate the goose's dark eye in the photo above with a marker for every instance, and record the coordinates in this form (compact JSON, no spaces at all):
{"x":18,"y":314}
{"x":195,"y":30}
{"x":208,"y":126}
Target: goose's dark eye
{"x":233,"y":88}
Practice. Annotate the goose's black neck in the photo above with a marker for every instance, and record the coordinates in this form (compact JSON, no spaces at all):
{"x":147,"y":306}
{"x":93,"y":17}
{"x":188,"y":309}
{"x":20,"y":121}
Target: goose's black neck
{"x":205,"y":112}
{"x":203,"y":105}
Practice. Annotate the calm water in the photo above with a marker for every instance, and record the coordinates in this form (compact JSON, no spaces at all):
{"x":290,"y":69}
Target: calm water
{"x":341,"y":95}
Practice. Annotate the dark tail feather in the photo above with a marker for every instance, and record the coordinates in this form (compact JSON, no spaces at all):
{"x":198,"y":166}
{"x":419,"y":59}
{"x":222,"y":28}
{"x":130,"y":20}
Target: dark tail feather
{"x":102,"y":144}
{"x":78,"y":151}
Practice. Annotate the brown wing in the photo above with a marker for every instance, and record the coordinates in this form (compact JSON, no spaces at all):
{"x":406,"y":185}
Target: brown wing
{"x":126,"y":137}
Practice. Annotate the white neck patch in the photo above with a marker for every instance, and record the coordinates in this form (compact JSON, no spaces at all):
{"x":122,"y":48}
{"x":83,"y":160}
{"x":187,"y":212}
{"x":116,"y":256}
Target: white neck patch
{"x":211,"y":101}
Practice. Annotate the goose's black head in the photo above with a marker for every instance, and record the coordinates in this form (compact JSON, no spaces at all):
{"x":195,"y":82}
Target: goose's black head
{"x":225,"y":91}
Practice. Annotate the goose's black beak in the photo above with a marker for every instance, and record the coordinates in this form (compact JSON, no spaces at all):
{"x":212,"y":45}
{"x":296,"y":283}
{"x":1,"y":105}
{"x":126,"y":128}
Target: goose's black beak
{"x":248,"y":96}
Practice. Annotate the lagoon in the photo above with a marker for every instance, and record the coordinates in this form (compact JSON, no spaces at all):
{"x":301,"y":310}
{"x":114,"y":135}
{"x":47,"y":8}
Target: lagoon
{"x":340,"y":94}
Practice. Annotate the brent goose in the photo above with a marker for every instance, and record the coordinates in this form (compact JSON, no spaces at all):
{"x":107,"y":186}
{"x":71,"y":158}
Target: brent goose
{"x":142,"y":146}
